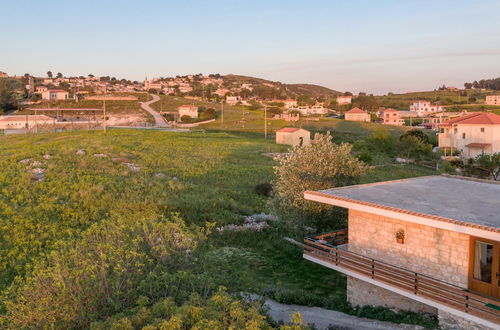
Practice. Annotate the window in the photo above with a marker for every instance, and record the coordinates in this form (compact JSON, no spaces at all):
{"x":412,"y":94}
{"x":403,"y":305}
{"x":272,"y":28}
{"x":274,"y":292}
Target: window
{"x":441,"y":130}
{"x":482,"y":129}
{"x":455,"y":130}
{"x":483,"y":261}
{"x":463,"y":135}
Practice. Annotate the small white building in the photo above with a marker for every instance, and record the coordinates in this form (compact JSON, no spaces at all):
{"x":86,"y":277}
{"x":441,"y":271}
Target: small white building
{"x":344,"y":99}
{"x":289,"y":103}
{"x":293,"y":136}
{"x":311,"y":110}
{"x":232,"y":100}
{"x":356,"y":114}
{"x":23,"y":121}
{"x":493,"y":100}
{"x":424,"y":108}
{"x":55,"y":95}
{"x":188,"y":110}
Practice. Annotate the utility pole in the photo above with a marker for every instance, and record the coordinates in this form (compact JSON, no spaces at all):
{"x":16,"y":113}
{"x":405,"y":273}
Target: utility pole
{"x":265,"y":121}
{"x":222,"y":110}
{"x":104,"y":114}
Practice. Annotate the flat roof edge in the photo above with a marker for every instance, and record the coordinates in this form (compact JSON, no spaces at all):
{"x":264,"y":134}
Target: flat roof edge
{"x":406,"y":215}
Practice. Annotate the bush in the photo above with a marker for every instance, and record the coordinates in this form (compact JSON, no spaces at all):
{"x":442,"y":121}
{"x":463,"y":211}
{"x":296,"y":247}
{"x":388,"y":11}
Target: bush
{"x":264,"y":189}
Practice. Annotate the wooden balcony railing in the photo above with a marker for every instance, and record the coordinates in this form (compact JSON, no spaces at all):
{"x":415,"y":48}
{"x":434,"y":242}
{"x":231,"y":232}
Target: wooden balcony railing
{"x":325,"y":247}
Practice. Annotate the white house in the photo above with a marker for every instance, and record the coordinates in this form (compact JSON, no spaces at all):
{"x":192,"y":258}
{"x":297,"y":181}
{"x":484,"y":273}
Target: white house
{"x":423,"y":108}
{"x":311,"y":110}
{"x":188,"y":110}
{"x":493,"y":100}
{"x":232,"y":100}
{"x":356,"y":114}
{"x":24,"y":121}
{"x":344,"y":99}
{"x":472,"y":135}
{"x":55,"y":95}
{"x":293,"y":136}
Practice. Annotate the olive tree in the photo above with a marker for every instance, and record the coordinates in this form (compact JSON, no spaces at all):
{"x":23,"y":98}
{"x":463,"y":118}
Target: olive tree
{"x":321,"y":165}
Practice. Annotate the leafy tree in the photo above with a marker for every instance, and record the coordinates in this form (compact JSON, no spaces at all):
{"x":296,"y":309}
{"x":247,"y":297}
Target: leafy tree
{"x":49,"y":74}
{"x":366,"y":102}
{"x":59,"y":75}
{"x":490,"y":163}
{"x":7,"y":94}
{"x":419,"y":134}
{"x":381,"y":141}
{"x":321,"y":165}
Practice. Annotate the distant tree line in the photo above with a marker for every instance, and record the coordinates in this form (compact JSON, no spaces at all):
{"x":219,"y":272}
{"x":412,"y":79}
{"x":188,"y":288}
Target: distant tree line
{"x":484,"y":83}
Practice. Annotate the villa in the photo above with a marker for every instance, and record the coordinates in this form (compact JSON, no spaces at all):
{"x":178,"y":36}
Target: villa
{"x":493,"y":100}
{"x":188,"y":110}
{"x":346,"y":99}
{"x":391,"y":116}
{"x":55,"y":95}
{"x":24,"y":121}
{"x":356,"y":114}
{"x":428,"y":244}
{"x":424,"y":108}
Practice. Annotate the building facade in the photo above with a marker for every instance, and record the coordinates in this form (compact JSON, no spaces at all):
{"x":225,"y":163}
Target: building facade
{"x":471,"y":135}
{"x":436,"y":252}
{"x":424,"y":108}
{"x":345,"y":99}
{"x":188,"y":110}
{"x":493,"y":100}
{"x":55,"y":95}
{"x":391,"y":117}
{"x":356,"y":114}
{"x":293,"y":136}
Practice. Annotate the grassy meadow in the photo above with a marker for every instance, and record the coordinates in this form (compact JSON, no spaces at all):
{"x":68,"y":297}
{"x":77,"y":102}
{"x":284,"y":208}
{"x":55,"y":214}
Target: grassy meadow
{"x":52,"y":194}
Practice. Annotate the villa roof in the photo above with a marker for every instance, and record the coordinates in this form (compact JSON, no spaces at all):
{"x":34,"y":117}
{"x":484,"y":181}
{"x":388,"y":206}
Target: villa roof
{"x":57,"y":91}
{"x":356,"y":110}
{"x":390,"y":110}
{"x":475,"y":118}
{"x":289,"y":130}
{"x":456,"y":201}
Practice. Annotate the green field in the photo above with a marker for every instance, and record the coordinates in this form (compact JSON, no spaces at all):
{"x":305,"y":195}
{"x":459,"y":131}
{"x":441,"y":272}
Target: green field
{"x":205,"y":177}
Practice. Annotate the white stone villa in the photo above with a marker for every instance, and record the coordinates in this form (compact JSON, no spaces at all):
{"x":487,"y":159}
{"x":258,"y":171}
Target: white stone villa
{"x":293,"y":136}
{"x":344,"y":99}
{"x":472,"y":134}
{"x":309,"y":110}
{"x":424,"y":108}
{"x":356,"y":114}
{"x":428,"y":244}
{"x":391,"y":116}
{"x":188,"y":110}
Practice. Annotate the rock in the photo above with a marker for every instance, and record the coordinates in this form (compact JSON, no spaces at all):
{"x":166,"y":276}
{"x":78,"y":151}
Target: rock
{"x":100,"y":155}
{"x":132,"y":167}
{"x":36,"y":163}
{"x":81,"y":152}
{"x":160,"y":175}
{"x":25,"y":161}
{"x":47,"y":156}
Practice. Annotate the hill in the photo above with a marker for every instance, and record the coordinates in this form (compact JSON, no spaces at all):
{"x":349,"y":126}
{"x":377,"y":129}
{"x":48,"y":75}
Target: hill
{"x":291,"y":90}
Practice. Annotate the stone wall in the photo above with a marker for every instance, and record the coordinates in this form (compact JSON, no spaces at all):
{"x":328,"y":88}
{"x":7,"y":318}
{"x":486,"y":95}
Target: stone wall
{"x":360,"y":293}
{"x":438,"y":253}
{"x":449,"y":321}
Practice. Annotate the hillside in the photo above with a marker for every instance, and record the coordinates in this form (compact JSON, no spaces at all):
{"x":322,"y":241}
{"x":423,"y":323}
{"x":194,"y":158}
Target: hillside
{"x":291,"y":90}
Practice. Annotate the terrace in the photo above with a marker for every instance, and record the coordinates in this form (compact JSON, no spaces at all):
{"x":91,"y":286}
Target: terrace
{"x":331,"y":250}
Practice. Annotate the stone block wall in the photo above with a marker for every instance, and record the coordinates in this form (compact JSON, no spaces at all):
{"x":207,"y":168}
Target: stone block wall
{"x":438,"y":253}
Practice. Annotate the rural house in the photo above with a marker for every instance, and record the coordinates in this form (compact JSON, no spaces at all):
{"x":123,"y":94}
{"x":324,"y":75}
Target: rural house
{"x":493,"y":100}
{"x":55,"y":95}
{"x":424,"y":108}
{"x":20,"y":122}
{"x":391,"y":117}
{"x":293,"y":136}
{"x":472,"y":135}
{"x":418,"y":244}
{"x":289,"y":103}
{"x":356,"y":114}
{"x":345,"y":99}
{"x":188,"y":110}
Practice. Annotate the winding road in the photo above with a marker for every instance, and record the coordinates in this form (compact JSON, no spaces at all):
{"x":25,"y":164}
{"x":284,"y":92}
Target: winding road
{"x":159,"y":120}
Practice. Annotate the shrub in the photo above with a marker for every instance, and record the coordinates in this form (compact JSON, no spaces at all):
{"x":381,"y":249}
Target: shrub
{"x":264,"y":189}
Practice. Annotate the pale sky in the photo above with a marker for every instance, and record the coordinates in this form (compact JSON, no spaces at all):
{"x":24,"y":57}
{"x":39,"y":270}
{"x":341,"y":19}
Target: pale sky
{"x":371,"y":46}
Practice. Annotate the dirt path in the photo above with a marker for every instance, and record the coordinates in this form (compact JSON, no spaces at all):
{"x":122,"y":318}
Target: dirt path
{"x":159,"y":120}
{"x":324,"y":318}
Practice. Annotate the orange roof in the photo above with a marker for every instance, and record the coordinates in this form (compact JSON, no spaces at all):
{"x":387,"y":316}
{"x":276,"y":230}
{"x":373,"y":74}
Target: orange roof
{"x":57,"y":91}
{"x":390,"y":110}
{"x":288,"y":130}
{"x":478,"y":145}
{"x":475,"y":118}
{"x":356,"y":110}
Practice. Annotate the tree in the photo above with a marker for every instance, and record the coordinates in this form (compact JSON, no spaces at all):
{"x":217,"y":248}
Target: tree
{"x":321,"y":165}
{"x":49,"y":74}
{"x":419,"y":134}
{"x":490,"y":163}
{"x":90,"y":75}
{"x":7,"y":94}
{"x":59,"y":75}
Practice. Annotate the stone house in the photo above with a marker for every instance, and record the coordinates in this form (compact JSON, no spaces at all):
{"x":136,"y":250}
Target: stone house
{"x":493,"y":100}
{"x":24,"y":121}
{"x":344,"y":99}
{"x":424,"y":108}
{"x":473,"y":134}
{"x":55,"y":95}
{"x":418,"y":244}
{"x":293,"y":136}
{"x":356,"y":114}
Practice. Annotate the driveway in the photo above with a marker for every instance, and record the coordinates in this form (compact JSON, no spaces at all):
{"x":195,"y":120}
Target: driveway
{"x":159,"y":120}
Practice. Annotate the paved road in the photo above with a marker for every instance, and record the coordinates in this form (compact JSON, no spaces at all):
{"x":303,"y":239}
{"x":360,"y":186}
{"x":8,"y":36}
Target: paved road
{"x":160,"y":121}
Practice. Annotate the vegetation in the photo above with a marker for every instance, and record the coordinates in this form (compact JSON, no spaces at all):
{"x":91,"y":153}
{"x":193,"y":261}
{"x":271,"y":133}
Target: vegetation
{"x":8,"y":94}
{"x":105,"y":228}
{"x":321,"y":165}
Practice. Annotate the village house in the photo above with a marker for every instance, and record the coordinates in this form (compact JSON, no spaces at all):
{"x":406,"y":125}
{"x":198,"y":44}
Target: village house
{"x":41,"y":89}
{"x":472,"y":134}
{"x":289,"y":103}
{"x":55,"y":95}
{"x":308,"y":110}
{"x":391,"y":116}
{"x":493,"y":100}
{"x":25,"y":121}
{"x":433,"y":121}
{"x":293,"y":136}
{"x":424,"y":108}
{"x":232,"y":100}
{"x":429,"y":244}
{"x":344,"y":99}
{"x":356,"y":114}
{"x":188,"y":110}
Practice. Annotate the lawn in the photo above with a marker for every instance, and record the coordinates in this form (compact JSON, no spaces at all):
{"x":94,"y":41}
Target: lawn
{"x":52,"y":193}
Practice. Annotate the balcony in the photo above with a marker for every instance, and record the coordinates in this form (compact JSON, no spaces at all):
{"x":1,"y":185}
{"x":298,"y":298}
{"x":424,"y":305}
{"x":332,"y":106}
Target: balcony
{"x":331,"y":250}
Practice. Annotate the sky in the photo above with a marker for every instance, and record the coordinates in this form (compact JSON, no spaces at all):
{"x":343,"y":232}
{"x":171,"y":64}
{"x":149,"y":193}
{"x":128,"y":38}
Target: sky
{"x":358,"y":46}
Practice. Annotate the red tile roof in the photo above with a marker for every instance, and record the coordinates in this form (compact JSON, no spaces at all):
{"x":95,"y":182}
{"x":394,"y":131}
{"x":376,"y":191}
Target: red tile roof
{"x":390,"y":110}
{"x":356,"y":110}
{"x":478,"y":145}
{"x":475,"y":118}
{"x":57,"y":91}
